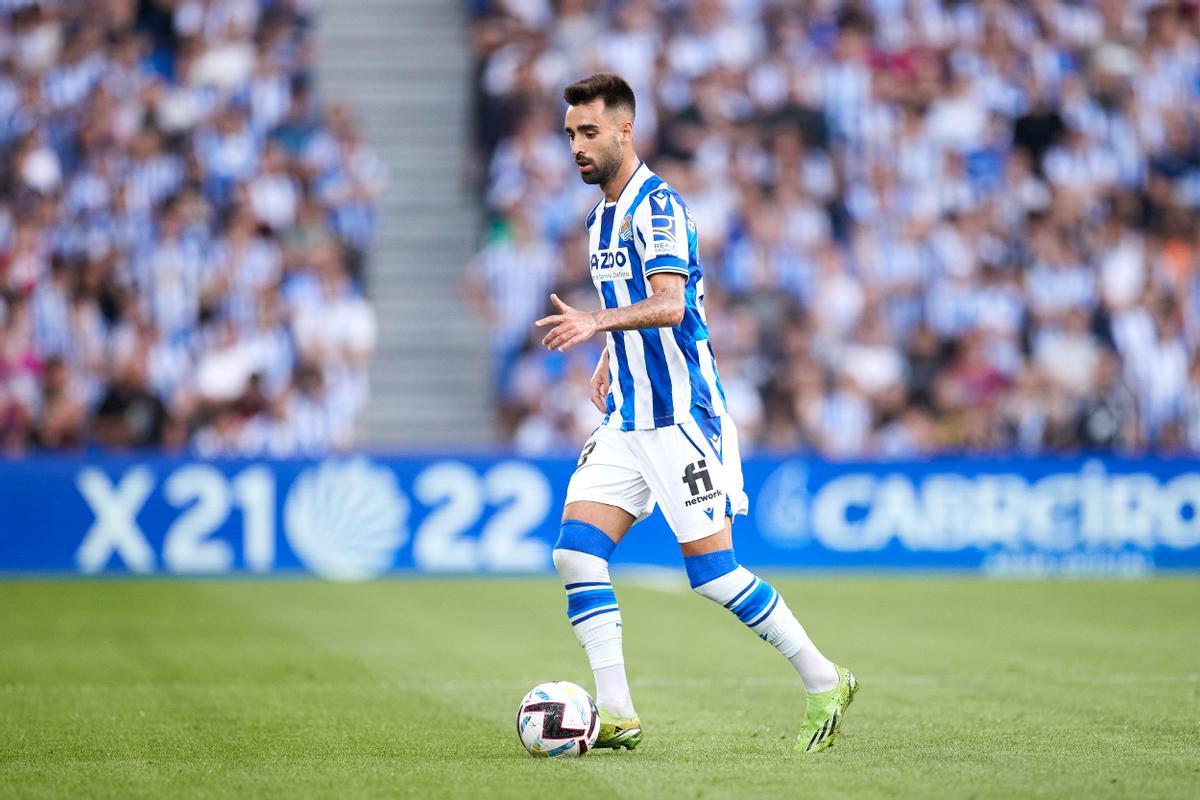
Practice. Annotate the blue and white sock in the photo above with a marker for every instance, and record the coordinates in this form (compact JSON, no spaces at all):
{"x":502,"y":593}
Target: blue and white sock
{"x":755,"y":602}
{"x":581,"y":557}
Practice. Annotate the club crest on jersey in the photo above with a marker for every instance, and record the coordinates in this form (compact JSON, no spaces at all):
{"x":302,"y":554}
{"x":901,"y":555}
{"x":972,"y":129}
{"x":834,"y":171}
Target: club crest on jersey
{"x":627,"y":229}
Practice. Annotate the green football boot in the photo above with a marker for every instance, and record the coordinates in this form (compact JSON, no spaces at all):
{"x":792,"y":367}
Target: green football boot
{"x":823,"y":716}
{"x":617,"y":732}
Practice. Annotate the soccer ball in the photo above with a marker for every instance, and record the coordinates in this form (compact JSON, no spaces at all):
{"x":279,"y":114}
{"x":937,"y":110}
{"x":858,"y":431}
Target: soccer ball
{"x":557,"y":720}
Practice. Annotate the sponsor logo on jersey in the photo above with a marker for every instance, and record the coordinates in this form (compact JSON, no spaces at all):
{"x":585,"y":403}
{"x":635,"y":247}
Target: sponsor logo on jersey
{"x":662,"y":223}
{"x":611,"y":265}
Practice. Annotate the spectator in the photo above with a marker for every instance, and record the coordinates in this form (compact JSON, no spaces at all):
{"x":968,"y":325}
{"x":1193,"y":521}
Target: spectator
{"x":953,"y":225}
{"x":508,"y":281}
{"x":130,"y":414}
{"x":166,"y":172}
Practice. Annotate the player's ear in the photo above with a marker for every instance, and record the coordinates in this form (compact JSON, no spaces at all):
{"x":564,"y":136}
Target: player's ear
{"x":626,"y":131}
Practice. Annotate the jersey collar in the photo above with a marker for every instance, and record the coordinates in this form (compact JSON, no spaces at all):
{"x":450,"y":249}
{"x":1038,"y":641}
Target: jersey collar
{"x":641,"y":165}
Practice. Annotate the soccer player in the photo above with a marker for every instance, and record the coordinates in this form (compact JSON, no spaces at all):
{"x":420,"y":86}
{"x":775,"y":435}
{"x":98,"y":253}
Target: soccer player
{"x":666,"y":436}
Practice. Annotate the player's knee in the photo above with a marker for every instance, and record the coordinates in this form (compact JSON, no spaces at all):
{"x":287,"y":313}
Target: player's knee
{"x":576,"y":536}
{"x":705,"y":569}
{"x":582,"y":552}
{"x":564,"y":560}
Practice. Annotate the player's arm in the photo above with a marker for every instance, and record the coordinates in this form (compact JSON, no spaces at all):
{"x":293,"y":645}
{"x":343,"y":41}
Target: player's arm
{"x":664,"y":308}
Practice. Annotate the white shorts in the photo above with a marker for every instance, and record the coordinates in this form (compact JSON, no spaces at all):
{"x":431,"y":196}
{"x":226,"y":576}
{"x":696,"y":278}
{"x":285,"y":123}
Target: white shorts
{"x":692,"y":470}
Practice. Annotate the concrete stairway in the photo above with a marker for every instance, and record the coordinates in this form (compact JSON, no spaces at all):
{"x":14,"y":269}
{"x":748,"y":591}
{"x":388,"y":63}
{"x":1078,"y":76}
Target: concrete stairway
{"x":404,"y":68}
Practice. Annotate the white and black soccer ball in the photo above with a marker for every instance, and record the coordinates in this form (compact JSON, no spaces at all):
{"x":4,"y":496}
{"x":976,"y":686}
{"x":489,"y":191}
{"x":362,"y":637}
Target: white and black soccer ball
{"x":557,"y":720}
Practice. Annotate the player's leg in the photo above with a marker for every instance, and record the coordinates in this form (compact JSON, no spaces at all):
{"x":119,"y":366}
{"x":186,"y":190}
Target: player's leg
{"x":714,"y":572}
{"x":589,"y":534}
{"x":696,"y":476}
{"x":605,"y":497}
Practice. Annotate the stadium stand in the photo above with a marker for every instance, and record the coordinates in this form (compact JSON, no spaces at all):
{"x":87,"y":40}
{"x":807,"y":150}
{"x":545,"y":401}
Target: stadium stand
{"x":926,"y":226}
{"x":183,"y":228}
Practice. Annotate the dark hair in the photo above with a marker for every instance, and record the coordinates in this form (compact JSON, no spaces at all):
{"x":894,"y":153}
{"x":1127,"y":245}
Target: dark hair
{"x":612,"y":89}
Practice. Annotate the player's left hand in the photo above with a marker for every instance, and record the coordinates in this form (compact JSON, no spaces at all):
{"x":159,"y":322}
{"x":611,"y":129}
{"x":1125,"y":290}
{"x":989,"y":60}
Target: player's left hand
{"x":571,"y":326}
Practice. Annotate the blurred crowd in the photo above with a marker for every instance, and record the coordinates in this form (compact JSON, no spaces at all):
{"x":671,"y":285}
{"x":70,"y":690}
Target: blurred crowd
{"x":925,"y":225}
{"x":182,"y":230}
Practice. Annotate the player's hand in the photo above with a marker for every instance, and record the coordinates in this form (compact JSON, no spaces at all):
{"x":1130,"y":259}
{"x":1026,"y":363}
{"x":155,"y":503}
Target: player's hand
{"x":571,"y":326}
{"x":599,"y":386}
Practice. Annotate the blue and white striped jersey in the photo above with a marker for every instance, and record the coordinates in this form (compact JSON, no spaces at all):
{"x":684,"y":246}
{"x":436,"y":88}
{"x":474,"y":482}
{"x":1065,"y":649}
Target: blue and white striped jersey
{"x":662,"y":376}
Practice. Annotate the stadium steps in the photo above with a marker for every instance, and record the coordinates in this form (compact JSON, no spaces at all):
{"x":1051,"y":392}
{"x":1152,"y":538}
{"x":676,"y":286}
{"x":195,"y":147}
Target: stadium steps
{"x":404,"y":67}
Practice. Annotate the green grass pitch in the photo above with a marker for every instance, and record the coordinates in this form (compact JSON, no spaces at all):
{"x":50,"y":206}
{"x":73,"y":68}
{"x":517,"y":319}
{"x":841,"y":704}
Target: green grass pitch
{"x":295,"y":688}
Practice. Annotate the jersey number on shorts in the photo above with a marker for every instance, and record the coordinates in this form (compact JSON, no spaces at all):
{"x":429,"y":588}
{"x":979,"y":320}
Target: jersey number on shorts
{"x":587,"y":451}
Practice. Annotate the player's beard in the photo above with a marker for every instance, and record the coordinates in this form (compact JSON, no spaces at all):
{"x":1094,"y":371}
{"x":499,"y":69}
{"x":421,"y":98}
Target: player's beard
{"x":605,"y":167}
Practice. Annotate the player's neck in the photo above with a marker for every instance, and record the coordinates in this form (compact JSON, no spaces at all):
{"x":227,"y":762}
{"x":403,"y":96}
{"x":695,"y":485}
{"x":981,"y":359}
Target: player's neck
{"x":613,"y":189}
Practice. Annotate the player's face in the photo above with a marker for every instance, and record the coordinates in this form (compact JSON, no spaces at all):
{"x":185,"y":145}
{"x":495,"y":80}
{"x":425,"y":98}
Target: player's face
{"x":595,"y":134}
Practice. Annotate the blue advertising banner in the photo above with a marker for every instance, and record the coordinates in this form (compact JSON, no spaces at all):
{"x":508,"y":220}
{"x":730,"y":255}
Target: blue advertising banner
{"x":361,"y":516}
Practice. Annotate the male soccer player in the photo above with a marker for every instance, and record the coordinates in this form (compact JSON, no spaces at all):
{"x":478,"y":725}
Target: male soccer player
{"x":666,"y":436}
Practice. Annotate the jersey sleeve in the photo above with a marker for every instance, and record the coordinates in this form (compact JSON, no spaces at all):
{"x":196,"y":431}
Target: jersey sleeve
{"x":662,"y":233}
